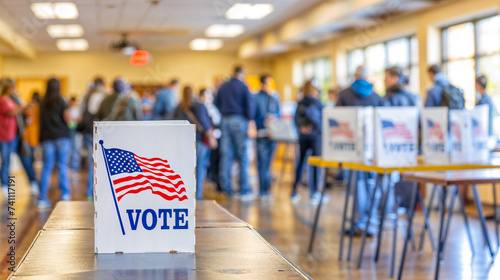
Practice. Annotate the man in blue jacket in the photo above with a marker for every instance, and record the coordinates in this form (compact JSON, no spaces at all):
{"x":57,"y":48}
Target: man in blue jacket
{"x":484,"y":98}
{"x":165,"y":101}
{"x":267,"y":110}
{"x":396,"y":94}
{"x":361,"y":94}
{"x":435,"y":93}
{"x":235,"y":104}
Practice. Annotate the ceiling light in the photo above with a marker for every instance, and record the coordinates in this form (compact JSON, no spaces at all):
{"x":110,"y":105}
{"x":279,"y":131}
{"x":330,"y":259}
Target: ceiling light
{"x":72,"y":44}
{"x":61,"y":10}
{"x":205,"y":44}
{"x":249,"y":11}
{"x":60,"y":31}
{"x":224,"y":30}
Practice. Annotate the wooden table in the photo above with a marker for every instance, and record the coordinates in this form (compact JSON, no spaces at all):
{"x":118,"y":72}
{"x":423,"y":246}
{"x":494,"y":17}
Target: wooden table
{"x":454,"y":178}
{"x":226,"y":247}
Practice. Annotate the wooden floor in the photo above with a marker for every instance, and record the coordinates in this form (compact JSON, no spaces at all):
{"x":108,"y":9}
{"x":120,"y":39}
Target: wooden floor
{"x":288,"y":228}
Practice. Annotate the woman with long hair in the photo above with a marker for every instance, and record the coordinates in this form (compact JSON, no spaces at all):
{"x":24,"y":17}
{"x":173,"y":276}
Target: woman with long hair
{"x":8,"y":129}
{"x":55,"y":139}
{"x":196,"y":113}
{"x":308,"y":121}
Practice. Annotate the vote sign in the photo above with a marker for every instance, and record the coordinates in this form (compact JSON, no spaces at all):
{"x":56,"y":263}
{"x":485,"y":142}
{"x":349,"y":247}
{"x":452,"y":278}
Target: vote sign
{"x":144,"y":187}
{"x":435,"y":135}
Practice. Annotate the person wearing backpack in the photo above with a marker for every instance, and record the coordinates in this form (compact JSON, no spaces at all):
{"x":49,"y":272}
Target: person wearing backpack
{"x":396,"y":94}
{"x":89,"y":108}
{"x":443,"y":93}
{"x":308,"y":122}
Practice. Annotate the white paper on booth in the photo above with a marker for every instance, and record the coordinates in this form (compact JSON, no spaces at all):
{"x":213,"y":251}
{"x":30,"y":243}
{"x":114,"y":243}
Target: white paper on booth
{"x":396,"y":136}
{"x":479,"y":133}
{"x":144,"y":187}
{"x":460,"y":136}
{"x":368,"y":130}
{"x":435,"y":135}
{"x":342,"y":134}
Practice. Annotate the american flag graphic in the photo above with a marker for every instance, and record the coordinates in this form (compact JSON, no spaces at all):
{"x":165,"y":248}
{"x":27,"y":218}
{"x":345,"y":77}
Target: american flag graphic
{"x":434,"y":130}
{"x":340,"y":128}
{"x":131,"y":174}
{"x":477,"y":130}
{"x":392,"y":129}
{"x":455,"y":131}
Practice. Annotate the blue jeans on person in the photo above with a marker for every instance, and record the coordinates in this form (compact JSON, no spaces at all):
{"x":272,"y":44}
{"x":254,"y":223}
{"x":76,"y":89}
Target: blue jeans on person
{"x":308,"y":144}
{"x":7,"y":149}
{"x":89,"y":140}
{"x":55,"y":151}
{"x":26,"y":161}
{"x":75,"y":150}
{"x":265,"y":151}
{"x":202,"y":162}
{"x":234,"y":143}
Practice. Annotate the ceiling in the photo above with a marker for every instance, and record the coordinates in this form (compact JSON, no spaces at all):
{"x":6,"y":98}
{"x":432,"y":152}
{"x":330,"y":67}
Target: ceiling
{"x":151,"y":26}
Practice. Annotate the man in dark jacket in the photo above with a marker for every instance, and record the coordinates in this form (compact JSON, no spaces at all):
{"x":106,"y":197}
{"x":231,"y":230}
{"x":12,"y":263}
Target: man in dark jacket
{"x":483,"y":98}
{"x":396,"y":94}
{"x":361,"y":94}
{"x":435,"y":93}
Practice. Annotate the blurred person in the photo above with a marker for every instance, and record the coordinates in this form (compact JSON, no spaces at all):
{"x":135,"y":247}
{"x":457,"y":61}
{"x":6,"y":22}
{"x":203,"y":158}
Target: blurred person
{"x":56,"y":143}
{"x":32,"y":127}
{"x":308,"y":122}
{"x":454,"y":98}
{"x":361,"y":94}
{"x":22,"y":148}
{"x":396,"y":94}
{"x":196,"y":113}
{"x":266,"y":111}
{"x":235,"y":104}
{"x":207,"y":98}
{"x":333,"y":96}
{"x":9,"y":111}
{"x":121,"y":105}
{"x":74,"y":136}
{"x":166,"y":101}
{"x":482,"y":97}
{"x":91,"y":103}
{"x":147,"y":105}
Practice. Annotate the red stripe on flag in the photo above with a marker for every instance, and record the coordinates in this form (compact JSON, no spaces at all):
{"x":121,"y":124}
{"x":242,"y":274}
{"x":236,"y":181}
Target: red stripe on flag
{"x":155,"y":185}
{"x":164,"y":196}
{"x":141,"y":176}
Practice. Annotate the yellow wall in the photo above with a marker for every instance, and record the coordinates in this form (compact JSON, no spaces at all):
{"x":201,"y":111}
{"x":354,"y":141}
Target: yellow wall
{"x":195,"y":68}
{"x":425,"y":24}
{"x":1,"y":65}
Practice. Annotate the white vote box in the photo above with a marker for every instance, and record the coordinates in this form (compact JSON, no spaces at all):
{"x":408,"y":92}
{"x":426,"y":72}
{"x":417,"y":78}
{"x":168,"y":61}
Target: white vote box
{"x":368,"y":131}
{"x":396,"y":136}
{"x":460,"y":136}
{"x":144,"y":187}
{"x":479,"y":131}
{"x":435,"y":135}
{"x":343,"y":134}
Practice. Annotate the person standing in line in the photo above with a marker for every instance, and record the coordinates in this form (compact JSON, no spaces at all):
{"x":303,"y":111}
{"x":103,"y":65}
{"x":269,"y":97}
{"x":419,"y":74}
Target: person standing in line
{"x":89,"y":108}
{"x":122,"y":105}
{"x":235,"y":104}
{"x":361,"y":93}
{"x":75,"y":137}
{"x":443,"y":93}
{"x":147,"y":104}
{"x":196,"y":113}
{"x":308,"y":122}
{"x":482,"y":97}
{"x":396,"y":94}
{"x":56,"y":144}
{"x":166,"y":101}
{"x":333,"y":96}
{"x":266,"y":111}
{"x":32,"y":130}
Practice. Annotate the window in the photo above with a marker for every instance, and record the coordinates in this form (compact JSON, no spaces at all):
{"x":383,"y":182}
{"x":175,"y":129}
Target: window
{"x":319,"y":69}
{"x":471,"y":49}
{"x":402,"y":52}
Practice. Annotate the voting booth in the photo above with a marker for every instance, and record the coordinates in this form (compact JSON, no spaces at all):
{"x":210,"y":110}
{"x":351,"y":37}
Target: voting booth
{"x":144,"y":187}
{"x":396,"y":136}
{"x":435,"y":140}
{"x":469,"y":135}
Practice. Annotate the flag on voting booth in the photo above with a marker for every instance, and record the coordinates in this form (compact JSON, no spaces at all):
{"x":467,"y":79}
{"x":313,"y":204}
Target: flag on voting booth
{"x":435,"y":135}
{"x":460,"y":136}
{"x":396,"y":136}
{"x":343,"y":134}
{"x":479,"y":127}
{"x":144,"y":187}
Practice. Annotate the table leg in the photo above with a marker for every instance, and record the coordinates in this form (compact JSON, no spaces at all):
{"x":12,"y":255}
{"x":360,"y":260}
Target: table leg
{"x":354,"y":206}
{"x":479,"y":208}
{"x":466,"y":221}
{"x":372,"y":204}
{"x":448,"y":222}
{"x":385,"y":196}
{"x":395,"y":235}
{"x":408,"y":231}
{"x":427,"y":215}
{"x":495,"y":214}
{"x":316,"y":218}
{"x":344,"y":215}
{"x":440,"y":238}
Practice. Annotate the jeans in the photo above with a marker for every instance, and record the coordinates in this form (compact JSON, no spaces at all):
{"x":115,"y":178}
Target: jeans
{"x":88,"y":139}
{"x":7,"y":149}
{"x":202,"y":162}
{"x":55,"y":150}
{"x":306,"y":144}
{"x":76,"y":146}
{"x":27,"y":162}
{"x":234,"y":143}
{"x":265,"y":150}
